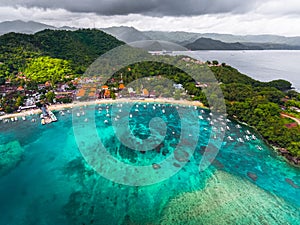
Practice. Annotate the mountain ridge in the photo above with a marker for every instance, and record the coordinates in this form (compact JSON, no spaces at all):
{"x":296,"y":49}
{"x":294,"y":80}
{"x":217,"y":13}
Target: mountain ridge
{"x":131,"y":34}
{"x":27,"y":27}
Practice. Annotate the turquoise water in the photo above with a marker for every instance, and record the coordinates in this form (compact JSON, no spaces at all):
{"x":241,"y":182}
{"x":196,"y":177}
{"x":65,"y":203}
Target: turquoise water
{"x":52,"y":183}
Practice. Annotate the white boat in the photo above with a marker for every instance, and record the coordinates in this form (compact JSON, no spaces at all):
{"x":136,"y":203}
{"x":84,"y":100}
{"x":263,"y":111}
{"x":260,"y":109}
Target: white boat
{"x":253,"y":137}
{"x":12,"y":119}
{"x":43,"y":121}
{"x":52,"y":116}
{"x":240,"y":140}
{"x":201,"y":117}
{"x":230,"y":138}
{"x":259,"y":147}
{"x":23,"y":118}
{"x":238,"y":126}
{"x":163,"y":111}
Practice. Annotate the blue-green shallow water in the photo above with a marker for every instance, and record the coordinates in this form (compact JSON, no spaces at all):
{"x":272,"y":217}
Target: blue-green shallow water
{"x":52,"y":184}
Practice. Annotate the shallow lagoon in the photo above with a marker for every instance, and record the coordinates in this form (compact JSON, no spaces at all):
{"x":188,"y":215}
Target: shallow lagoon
{"x":52,"y":184}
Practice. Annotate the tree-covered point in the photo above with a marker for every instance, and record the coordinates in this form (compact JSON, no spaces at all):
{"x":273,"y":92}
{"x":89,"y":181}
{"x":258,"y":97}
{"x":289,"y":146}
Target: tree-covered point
{"x":228,"y":75}
{"x":265,"y":117}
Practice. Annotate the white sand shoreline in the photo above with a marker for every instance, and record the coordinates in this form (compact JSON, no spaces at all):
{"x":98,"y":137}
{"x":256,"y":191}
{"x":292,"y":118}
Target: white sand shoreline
{"x":102,"y":101}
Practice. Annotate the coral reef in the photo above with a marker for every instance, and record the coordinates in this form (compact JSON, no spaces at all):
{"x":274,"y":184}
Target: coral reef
{"x":229,"y":200}
{"x":10,"y":156}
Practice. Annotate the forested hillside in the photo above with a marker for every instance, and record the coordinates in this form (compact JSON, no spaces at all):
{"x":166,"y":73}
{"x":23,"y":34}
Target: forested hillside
{"x":79,"y":48}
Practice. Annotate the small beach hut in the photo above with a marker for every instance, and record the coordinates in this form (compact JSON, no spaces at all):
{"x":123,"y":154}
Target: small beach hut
{"x":20,"y":88}
{"x":121,"y":86}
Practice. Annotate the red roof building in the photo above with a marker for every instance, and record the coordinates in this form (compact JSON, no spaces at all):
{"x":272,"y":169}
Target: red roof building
{"x":291,"y":125}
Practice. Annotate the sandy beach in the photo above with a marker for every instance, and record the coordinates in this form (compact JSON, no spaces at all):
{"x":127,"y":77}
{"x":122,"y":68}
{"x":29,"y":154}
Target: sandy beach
{"x":102,"y":101}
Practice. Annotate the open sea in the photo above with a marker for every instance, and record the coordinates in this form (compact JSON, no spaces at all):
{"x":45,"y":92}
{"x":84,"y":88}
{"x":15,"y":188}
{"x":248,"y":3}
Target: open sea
{"x":261,"y":65}
{"x":45,"y":178}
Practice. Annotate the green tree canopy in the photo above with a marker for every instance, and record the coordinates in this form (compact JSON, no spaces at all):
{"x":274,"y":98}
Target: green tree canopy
{"x":45,"y":69}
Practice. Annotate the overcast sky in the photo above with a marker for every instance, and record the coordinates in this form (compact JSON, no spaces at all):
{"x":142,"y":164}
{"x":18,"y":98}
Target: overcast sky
{"x":220,"y":16}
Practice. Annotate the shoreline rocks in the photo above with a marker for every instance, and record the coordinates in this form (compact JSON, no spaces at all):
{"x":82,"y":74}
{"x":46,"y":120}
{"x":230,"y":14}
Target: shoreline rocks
{"x":253,"y":176}
{"x":290,"y":182}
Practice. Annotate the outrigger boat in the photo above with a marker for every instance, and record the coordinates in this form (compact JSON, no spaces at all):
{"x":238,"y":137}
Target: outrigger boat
{"x":47,"y":116}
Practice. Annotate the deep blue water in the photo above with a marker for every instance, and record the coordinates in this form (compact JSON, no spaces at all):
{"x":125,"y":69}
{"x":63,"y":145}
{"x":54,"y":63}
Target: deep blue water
{"x":53,"y":184}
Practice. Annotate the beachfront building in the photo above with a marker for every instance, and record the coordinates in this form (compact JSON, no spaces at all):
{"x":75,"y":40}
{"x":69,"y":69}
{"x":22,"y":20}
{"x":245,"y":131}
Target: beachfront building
{"x":145,"y":93}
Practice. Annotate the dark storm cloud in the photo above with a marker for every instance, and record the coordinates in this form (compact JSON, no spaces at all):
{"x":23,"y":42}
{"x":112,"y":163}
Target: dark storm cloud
{"x":144,"y":7}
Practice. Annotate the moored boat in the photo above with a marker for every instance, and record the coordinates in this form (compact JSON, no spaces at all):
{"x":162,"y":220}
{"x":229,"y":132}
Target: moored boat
{"x":52,"y":116}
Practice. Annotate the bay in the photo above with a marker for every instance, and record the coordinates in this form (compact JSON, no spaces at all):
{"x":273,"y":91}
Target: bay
{"x":53,"y":184}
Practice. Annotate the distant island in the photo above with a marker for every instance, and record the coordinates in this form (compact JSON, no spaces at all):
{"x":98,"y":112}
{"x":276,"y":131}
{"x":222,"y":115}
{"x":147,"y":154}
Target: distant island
{"x":211,"y":44}
{"x":45,"y":68}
